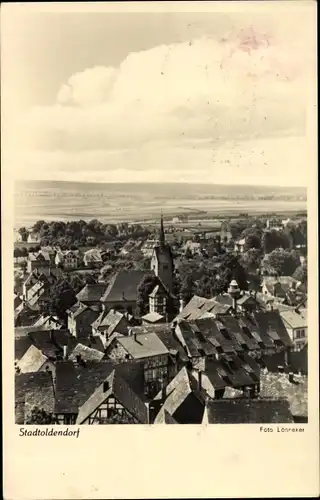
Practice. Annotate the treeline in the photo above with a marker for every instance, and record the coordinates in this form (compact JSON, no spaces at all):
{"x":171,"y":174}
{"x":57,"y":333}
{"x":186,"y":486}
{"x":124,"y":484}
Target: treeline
{"x":75,"y":234}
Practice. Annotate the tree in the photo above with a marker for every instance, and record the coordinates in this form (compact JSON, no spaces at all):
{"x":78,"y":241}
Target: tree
{"x":23,"y":252}
{"x":283,"y":261}
{"x":251,"y":260}
{"x":231,"y":268}
{"x":271,"y":240}
{"x":187,"y":288}
{"x":17,"y":252}
{"x":301,"y":273}
{"x":144,"y":289}
{"x":188,"y":254}
{"x":39,"y":416}
{"x":62,"y":295}
{"x":24,"y":233}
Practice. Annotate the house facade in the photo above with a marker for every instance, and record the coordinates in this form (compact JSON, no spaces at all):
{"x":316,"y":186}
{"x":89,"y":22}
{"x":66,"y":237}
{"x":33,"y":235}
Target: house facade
{"x":80,"y":320}
{"x":296,"y":323}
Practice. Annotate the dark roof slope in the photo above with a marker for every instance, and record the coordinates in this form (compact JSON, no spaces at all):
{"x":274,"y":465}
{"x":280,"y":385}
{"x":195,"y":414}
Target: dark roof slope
{"x":248,"y":411}
{"x":21,"y":345}
{"x":123,"y":286}
{"x":51,"y":342}
{"x":75,"y":383}
{"x":92,"y":293}
{"x":278,"y":386}
{"x":34,"y":388}
{"x":271,"y":323}
{"x":120,"y":389}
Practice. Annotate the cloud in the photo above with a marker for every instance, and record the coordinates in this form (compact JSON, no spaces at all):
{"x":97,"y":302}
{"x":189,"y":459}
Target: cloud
{"x":179,"y":103}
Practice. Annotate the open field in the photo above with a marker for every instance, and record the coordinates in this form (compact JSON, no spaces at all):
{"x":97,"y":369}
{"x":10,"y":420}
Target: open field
{"x":143,"y":202}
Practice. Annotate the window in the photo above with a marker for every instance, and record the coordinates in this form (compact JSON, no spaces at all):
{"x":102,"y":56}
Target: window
{"x":297,"y":334}
{"x":302,"y":335}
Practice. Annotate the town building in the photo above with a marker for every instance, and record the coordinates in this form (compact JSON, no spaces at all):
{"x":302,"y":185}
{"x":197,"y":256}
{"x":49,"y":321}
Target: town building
{"x":162,"y":260}
{"x":225,"y":231}
{"x":80,"y":319}
{"x":38,"y":261}
{"x":296,"y":323}
{"x":122,"y":291}
{"x":93,"y":258}
{"x":247,"y":411}
{"x":69,"y":259}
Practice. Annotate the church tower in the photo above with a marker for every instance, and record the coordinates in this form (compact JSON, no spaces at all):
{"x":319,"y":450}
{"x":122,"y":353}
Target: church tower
{"x":162,"y":260}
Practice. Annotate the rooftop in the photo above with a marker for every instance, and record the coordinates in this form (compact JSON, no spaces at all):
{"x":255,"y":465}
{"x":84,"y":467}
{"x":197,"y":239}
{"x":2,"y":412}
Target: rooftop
{"x":295,"y":319}
{"x":278,"y":386}
{"x":143,"y":346}
{"x":32,"y":360}
{"x":86,"y":353}
{"x":123,"y":286}
{"x":108,"y":320}
{"x":92,"y":293}
{"x":32,"y":389}
{"x":153,"y":317}
{"x":118,"y":387}
{"x":248,"y":411}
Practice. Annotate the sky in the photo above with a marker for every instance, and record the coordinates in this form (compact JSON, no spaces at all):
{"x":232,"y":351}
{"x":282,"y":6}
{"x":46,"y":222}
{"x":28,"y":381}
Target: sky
{"x":216,"y":97}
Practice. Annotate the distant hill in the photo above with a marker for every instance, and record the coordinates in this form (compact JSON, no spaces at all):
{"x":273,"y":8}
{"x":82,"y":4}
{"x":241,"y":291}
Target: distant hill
{"x":116,"y":202}
{"x":166,"y":189}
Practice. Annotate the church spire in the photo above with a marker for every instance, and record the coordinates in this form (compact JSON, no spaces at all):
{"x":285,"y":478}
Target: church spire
{"x":161,"y":239}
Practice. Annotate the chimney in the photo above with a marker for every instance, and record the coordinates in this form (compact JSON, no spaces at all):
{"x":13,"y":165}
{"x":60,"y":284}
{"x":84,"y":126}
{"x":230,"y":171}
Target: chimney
{"x":65,"y":352}
{"x":199,"y":380}
{"x":291,"y":378}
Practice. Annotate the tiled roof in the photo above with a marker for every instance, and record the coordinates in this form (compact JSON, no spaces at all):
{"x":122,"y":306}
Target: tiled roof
{"x":86,"y":353}
{"x":143,"y":346}
{"x":48,"y":322}
{"x":277,"y":386}
{"x":26,"y":312}
{"x":23,"y":331}
{"x":123,"y":286}
{"x":108,"y":320}
{"x":21,"y":345}
{"x":261,"y":337}
{"x":120,"y":389}
{"x":198,"y":306}
{"x":271,"y":323}
{"x":93,"y":255}
{"x":33,"y":388}
{"x":32,"y":360}
{"x":151,"y":328}
{"x":153,"y":317}
{"x":177,"y":391}
{"x":215,"y":333}
{"x":82,"y":308}
{"x":192,"y":306}
{"x":235,"y":330}
{"x":248,"y":411}
{"x":51,"y":342}
{"x":75,"y":383}
{"x":92,"y":293}
{"x":295,"y":319}
{"x":173,"y":346}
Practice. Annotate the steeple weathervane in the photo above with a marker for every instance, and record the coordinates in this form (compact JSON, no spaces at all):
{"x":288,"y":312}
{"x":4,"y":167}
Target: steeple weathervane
{"x":161,"y":239}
